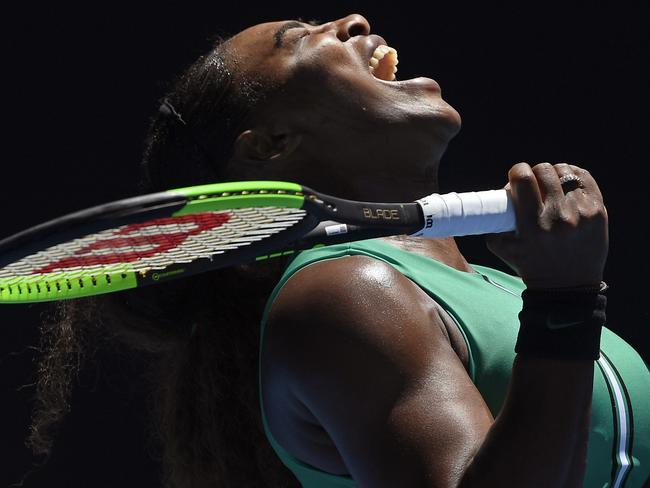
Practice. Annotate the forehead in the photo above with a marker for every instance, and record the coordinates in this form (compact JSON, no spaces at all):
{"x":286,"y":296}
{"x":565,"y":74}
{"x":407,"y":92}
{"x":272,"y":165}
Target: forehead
{"x":259,"y":38}
{"x":255,"y":52}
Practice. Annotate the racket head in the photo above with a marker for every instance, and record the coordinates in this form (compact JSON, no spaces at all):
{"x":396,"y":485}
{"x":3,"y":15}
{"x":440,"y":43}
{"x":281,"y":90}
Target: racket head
{"x":143,"y":240}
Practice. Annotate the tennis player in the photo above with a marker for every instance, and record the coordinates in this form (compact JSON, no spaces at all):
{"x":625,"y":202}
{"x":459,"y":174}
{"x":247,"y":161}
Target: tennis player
{"x":383,"y":363}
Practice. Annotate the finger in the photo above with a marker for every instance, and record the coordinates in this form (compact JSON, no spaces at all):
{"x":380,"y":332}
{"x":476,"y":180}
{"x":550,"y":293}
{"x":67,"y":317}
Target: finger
{"x":548,"y":181}
{"x":525,"y":195}
{"x":563,"y":169}
{"x":588,"y":197}
{"x":588,"y":181}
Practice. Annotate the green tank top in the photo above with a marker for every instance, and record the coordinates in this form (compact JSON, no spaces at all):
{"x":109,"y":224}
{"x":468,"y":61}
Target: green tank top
{"x":485,"y":307}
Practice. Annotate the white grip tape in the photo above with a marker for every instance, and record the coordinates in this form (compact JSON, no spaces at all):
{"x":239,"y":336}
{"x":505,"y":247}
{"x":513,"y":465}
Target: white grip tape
{"x":463,"y":214}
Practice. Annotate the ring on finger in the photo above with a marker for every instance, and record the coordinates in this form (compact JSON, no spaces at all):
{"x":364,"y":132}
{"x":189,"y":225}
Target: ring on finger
{"x":570,"y":182}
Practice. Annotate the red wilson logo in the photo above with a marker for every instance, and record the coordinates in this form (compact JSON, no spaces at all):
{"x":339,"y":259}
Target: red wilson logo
{"x":123,"y":247}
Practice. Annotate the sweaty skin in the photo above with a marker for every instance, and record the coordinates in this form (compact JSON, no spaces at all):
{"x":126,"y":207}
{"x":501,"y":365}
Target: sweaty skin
{"x":330,"y":124}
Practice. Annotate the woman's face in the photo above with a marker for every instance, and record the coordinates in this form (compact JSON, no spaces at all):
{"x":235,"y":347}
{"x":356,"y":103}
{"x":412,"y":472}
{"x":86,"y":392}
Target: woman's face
{"x":346,"y":118}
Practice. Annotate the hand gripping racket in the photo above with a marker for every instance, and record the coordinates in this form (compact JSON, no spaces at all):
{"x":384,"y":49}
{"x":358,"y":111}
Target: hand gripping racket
{"x":161,"y":236}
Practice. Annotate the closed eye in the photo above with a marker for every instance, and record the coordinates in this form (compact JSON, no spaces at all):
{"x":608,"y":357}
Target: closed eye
{"x":293,"y":39}
{"x":279,"y":34}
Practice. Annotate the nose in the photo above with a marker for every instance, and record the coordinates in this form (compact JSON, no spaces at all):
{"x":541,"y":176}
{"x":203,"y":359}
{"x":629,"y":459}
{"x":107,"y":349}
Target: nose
{"x":350,"y":26}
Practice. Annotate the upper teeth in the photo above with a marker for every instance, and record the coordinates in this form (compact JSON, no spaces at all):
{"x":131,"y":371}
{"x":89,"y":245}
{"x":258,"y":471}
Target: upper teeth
{"x":383,"y":63}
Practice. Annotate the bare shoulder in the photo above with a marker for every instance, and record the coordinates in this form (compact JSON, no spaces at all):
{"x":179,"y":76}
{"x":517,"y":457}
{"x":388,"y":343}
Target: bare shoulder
{"x":351,"y":284}
{"x":355,"y":296}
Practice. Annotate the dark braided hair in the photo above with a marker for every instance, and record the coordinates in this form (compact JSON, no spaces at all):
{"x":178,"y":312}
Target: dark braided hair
{"x":200,"y":335}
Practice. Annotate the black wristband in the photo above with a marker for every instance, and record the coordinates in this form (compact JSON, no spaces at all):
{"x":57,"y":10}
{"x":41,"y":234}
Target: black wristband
{"x":561,"y":325}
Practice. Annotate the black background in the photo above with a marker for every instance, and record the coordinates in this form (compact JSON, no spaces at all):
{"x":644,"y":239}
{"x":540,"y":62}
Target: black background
{"x":532,"y":83}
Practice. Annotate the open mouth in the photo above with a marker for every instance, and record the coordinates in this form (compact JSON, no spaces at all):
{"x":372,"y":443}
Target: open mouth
{"x":383,"y":63}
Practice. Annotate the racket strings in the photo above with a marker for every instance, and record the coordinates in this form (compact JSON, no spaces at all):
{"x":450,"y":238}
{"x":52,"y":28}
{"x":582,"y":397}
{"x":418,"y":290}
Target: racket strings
{"x":153,"y":245}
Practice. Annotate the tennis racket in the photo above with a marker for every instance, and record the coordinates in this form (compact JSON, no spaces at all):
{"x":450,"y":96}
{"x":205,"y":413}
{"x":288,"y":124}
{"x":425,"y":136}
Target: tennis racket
{"x":162,"y":236}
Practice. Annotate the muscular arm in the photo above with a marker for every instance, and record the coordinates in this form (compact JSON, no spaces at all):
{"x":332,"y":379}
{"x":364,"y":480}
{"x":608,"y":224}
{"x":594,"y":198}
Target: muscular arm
{"x":362,"y":349}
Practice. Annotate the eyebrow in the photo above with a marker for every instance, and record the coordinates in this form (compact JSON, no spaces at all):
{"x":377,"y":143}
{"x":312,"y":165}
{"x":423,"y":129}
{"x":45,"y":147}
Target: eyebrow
{"x":284,"y":28}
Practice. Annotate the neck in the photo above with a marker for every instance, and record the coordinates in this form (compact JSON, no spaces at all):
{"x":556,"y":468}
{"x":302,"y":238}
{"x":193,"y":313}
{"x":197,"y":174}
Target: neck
{"x":396,"y":185}
{"x":395,"y":188}
{"x":407,"y":173}
{"x":377,"y":171}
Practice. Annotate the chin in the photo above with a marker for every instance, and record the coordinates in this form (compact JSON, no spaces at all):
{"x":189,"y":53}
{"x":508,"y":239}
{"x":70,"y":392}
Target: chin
{"x":439,"y":120}
{"x":421,"y":100}
{"x":449,"y":121}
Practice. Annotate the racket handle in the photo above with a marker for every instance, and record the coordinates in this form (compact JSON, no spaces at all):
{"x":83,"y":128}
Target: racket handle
{"x":469,"y":213}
